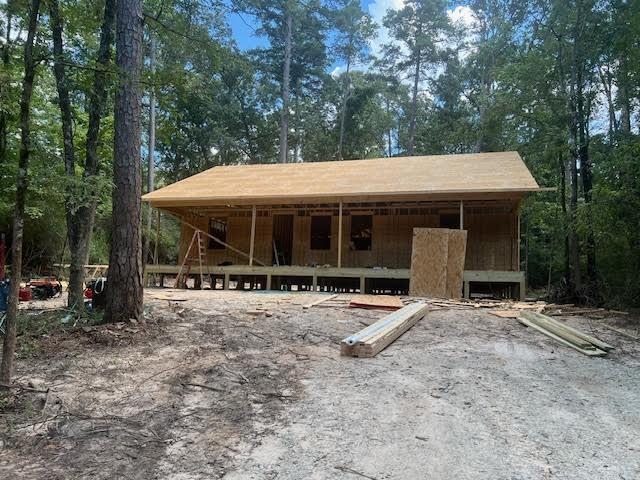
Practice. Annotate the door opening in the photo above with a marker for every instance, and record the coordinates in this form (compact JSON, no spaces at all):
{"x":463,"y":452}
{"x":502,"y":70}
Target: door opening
{"x":282,"y":239}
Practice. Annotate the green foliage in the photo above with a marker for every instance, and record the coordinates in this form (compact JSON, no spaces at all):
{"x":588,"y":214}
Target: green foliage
{"x":512,"y":77}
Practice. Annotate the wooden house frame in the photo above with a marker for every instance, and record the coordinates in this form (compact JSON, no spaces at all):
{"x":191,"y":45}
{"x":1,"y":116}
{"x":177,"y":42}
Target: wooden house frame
{"x":348,"y":225}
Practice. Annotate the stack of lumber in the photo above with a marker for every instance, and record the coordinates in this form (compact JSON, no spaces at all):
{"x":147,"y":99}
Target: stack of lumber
{"x":565,"y":334}
{"x":376,"y":337}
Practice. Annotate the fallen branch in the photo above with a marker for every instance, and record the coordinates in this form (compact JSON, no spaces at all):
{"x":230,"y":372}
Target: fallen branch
{"x":354,"y":472}
{"x":206,"y":387}
{"x":22,"y":387}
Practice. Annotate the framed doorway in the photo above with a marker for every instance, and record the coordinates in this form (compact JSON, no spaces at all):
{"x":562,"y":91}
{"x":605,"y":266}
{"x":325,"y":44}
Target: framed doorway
{"x":282,"y":239}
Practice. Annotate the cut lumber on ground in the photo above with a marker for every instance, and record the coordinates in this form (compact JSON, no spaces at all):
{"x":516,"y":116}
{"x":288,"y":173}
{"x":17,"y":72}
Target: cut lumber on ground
{"x":370,"y":341}
{"x":565,"y":334}
{"x":622,"y":332}
{"x":381,"y":302}
{"x":318,"y":302}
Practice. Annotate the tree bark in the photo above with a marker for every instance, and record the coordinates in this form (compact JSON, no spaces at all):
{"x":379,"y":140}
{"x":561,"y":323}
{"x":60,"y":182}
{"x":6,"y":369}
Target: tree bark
{"x":124,"y":280}
{"x":73,"y":223}
{"x":151,"y":147}
{"x":9,"y":345}
{"x":624,"y":97}
{"x":414,"y":107}
{"x":80,"y":220}
{"x":343,"y":112}
{"x":284,"y":119}
{"x":4,"y":84}
{"x":563,"y":204}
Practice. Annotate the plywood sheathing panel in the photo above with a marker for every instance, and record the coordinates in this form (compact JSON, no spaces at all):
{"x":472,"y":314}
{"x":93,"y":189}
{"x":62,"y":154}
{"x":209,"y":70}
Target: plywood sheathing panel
{"x":455,"y":262}
{"x":499,"y":172}
{"x":381,"y":302}
{"x":491,"y":240}
{"x":429,"y":258}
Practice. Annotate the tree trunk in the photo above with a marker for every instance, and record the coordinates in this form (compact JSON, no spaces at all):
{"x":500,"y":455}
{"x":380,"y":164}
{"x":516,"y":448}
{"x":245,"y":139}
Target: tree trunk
{"x":284,"y":120}
{"x":563,"y":204}
{"x":414,"y":107}
{"x":605,"y":78}
{"x":9,"y":345}
{"x":343,"y":112}
{"x":75,"y":299}
{"x":124,"y":280}
{"x":624,"y":97}
{"x":587,"y":185}
{"x":4,"y":85}
{"x":151,"y":147}
{"x":80,"y":221}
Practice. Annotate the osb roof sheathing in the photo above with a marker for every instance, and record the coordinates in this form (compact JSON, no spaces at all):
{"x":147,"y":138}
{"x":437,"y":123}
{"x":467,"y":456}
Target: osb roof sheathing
{"x":365,"y":180}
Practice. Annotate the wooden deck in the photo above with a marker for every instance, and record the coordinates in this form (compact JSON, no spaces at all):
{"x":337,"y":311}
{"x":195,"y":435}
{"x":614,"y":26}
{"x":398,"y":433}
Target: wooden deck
{"x":312,"y":277}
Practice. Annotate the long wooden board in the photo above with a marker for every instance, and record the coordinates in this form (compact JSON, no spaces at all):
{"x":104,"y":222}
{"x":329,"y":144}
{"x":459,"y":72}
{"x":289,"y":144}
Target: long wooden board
{"x":371,"y":340}
{"x":548,"y":322}
{"x":595,"y":352}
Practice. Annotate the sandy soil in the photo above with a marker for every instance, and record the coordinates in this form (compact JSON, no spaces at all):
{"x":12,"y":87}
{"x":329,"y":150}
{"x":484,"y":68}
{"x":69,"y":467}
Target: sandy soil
{"x":212,"y":388}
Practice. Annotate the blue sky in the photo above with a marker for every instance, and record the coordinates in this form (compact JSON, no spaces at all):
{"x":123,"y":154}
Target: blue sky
{"x":243,"y":26}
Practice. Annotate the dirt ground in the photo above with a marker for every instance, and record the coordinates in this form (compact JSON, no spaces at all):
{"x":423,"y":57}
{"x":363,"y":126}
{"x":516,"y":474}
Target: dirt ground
{"x":249,"y":385}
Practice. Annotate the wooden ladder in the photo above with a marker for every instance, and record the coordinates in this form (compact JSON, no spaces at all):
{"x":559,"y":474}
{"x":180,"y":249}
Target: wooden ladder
{"x":196,"y":255}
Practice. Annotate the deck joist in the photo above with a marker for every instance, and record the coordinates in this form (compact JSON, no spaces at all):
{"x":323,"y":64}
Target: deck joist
{"x":315,"y":273}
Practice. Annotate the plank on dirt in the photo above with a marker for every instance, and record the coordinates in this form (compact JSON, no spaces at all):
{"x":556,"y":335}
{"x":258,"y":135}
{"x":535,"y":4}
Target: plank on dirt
{"x":545,"y":321}
{"x":505,"y":313}
{"x":594,"y":352}
{"x":318,"y":302}
{"x":381,"y":302}
{"x":370,"y":341}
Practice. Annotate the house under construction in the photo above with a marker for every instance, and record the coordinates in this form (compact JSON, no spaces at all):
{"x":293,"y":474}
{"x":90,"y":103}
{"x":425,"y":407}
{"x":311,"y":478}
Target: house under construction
{"x":347,"y":225}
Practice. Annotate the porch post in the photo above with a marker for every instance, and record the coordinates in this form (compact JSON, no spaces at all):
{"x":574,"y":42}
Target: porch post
{"x":461,"y":215}
{"x":340,"y":235}
{"x":253,"y":234}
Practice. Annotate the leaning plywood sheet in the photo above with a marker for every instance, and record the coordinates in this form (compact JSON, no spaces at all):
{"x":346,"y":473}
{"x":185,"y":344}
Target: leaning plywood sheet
{"x":376,"y":337}
{"x":455,"y":262}
{"x":429,"y":256}
{"x":380,"y":302}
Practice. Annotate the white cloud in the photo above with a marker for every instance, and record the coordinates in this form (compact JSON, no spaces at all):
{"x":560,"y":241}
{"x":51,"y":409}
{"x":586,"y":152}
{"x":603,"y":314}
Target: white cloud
{"x":463,"y":16}
{"x":377,"y":10}
{"x":337,"y":71}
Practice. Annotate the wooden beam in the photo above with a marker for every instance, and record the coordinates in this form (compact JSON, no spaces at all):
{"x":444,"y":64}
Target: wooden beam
{"x":595,"y":352}
{"x":253,"y":234}
{"x":376,"y":337}
{"x":318,"y":302}
{"x":340,"y":235}
{"x":216,"y":239}
{"x":461,"y":215}
{"x":560,"y":327}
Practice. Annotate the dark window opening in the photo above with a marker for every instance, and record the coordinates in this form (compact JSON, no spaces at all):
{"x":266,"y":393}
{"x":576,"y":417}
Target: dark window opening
{"x":320,"y":232}
{"x":450,"y":220}
{"x":361,"y":227}
{"x":218,"y":229}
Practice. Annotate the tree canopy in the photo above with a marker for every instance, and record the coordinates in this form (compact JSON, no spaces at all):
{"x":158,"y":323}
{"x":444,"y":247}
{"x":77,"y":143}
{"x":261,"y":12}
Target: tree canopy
{"x":558,"y":81}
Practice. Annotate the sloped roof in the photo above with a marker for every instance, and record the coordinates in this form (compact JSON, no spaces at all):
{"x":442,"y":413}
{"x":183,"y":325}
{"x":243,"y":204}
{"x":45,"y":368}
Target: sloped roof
{"x":500,"y":172}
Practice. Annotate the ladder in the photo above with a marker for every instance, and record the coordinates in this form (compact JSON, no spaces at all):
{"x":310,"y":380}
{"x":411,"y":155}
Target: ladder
{"x":196,"y":254}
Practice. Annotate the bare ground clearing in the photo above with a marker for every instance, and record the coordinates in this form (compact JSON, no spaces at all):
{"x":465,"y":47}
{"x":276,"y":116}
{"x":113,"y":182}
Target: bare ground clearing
{"x":208,"y":390}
